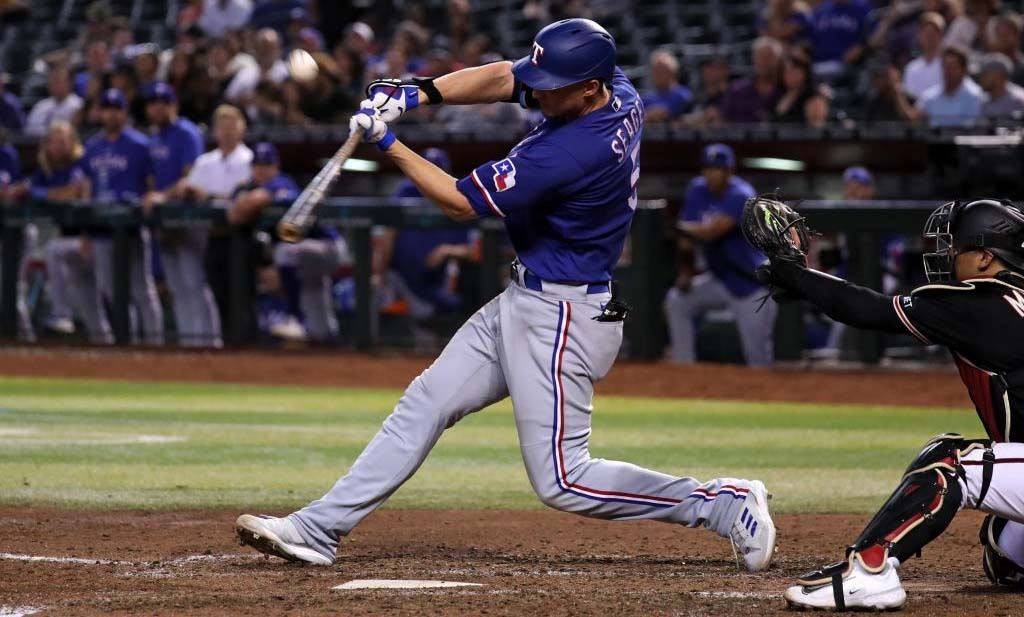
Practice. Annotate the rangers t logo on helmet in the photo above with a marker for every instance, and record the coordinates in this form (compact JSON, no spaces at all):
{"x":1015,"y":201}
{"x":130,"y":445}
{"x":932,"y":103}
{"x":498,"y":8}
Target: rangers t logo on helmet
{"x":538,"y":51}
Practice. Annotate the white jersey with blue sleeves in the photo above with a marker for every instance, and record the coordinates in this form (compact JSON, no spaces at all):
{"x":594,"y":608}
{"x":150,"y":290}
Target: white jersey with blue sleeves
{"x":567,"y":191}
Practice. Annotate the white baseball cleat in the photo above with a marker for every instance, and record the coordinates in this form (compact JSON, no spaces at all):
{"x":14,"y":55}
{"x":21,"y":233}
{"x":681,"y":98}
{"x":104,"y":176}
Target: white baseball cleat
{"x":847,"y":585}
{"x":278,"y":537}
{"x":753,"y":532}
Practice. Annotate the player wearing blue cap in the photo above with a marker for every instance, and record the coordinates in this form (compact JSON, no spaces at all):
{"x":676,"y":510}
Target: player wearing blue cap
{"x":120,"y":170}
{"x":710,"y":220}
{"x":175,"y":144}
{"x":566,"y":194}
{"x":306,"y":266}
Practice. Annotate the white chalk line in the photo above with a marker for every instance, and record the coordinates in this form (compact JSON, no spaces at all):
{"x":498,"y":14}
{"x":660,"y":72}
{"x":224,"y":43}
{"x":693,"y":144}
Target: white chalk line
{"x":179,"y":561}
{"x":18,"y":611}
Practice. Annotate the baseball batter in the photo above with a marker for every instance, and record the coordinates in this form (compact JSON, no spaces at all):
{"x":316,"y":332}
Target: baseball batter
{"x":974,"y":306}
{"x":566,"y":193}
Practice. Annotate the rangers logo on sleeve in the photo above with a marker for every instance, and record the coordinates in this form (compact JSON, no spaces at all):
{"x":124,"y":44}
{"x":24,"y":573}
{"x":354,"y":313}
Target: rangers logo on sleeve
{"x":504,"y":175}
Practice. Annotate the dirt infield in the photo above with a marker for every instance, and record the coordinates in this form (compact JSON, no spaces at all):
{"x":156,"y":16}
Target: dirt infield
{"x":876,"y":387}
{"x":538,"y":563}
{"x":541,"y":563}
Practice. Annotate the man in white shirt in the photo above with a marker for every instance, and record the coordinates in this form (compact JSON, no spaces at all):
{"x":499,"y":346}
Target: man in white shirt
{"x":62,"y":104}
{"x":925,"y":71}
{"x":217,"y":173}
{"x":213,"y":178}
{"x":222,"y":16}
{"x":268,"y":66}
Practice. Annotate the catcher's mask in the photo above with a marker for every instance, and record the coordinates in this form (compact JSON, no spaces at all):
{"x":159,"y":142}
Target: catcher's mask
{"x":993,"y":225}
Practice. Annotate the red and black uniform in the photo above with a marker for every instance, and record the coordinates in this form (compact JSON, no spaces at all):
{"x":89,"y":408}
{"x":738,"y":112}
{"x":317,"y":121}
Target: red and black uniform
{"x":981,"y":321}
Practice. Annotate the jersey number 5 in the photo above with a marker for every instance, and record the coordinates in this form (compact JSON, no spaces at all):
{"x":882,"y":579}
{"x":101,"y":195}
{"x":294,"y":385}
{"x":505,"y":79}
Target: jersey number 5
{"x":634,"y":177}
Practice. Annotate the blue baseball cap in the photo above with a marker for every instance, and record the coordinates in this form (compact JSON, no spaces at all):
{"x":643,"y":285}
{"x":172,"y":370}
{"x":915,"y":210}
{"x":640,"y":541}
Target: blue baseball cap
{"x":718,"y":155}
{"x":265,"y":154}
{"x":112,"y":97}
{"x":160,"y":91}
{"x":859,"y":175}
{"x":438,"y":157}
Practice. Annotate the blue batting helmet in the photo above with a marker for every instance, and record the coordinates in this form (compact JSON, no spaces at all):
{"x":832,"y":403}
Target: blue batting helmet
{"x":567,"y":52}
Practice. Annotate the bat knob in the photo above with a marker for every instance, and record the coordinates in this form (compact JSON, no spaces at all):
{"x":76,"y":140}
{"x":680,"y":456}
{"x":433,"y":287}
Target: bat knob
{"x":289,"y":232}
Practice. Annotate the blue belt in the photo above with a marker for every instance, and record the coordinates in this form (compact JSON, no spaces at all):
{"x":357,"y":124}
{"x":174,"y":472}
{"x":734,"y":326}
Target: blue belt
{"x":534,"y":282}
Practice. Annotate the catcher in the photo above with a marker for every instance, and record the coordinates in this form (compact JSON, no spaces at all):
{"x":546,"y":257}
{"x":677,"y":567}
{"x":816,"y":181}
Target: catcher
{"x":974,"y":305}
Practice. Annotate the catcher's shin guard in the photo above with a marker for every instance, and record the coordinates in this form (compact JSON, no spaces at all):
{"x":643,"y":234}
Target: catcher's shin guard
{"x":919,"y":509}
{"x":999,"y":568}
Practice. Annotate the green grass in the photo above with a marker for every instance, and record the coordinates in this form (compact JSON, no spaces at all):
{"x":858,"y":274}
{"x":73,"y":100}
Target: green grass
{"x":76,"y":443}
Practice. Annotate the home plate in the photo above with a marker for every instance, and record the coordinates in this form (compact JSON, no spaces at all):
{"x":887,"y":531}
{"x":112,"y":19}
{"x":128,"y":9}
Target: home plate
{"x":377,"y":583}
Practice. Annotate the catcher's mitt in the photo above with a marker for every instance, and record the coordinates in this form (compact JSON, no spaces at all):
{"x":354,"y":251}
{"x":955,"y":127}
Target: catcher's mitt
{"x":776,"y":230}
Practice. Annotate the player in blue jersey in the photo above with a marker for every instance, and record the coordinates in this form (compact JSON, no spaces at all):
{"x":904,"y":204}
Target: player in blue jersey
{"x":175,"y":144}
{"x":566,"y":193}
{"x":305,"y":266}
{"x":70,"y":267}
{"x":710,"y":219}
{"x":421,"y":266}
{"x":120,"y":170}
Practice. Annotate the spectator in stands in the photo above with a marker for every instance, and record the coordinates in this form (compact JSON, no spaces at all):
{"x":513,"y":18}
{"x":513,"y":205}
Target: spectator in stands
{"x":710,"y":219}
{"x":12,"y":115}
{"x":62,"y":104}
{"x":221,"y":16}
{"x":818,"y":108}
{"x":292,"y":95}
{"x":788,"y":21}
{"x":120,"y":169}
{"x":885,"y":100}
{"x":798,"y":89}
{"x":1004,"y":36}
{"x":213,"y":179}
{"x":1005,"y":98}
{"x":957,"y":100}
{"x":145,"y":59}
{"x":420,"y":266}
{"x":309,"y":40}
{"x":714,"y":82}
{"x":925,"y":70}
{"x":752,"y":99}
{"x":189,"y":14}
{"x":269,"y":67}
{"x":840,"y":34}
{"x":323,"y":99}
{"x":351,"y":68}
{"x":667,"y":99}
{"x":121,"y":38}
{"x":305,"y":267}
{"x":359,"y":38}
{"x":125,"y":80}
{"x":968,"y":29}
{"x":70,"y":268}
{"x":97,"y":67}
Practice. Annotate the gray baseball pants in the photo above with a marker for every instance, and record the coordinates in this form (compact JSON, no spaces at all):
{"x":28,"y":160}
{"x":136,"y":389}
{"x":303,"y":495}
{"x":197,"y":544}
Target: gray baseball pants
{"x":72,"y":283}
{"x":315,"y":260}
{"x":147,"y":314}
{"x":545,"y":350}
{"x":756,"y":327}
{"x":183,"y":253}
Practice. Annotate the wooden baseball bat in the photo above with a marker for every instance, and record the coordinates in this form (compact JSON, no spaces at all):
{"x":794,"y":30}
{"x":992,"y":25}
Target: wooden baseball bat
{"x":299,"y":218}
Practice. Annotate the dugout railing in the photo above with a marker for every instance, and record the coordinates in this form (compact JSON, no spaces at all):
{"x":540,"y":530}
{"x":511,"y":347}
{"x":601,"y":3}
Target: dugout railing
{"x":644,"y":273}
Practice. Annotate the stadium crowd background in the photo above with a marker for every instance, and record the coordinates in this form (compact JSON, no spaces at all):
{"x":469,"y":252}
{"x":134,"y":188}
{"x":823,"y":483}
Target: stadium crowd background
{"x":220,"y":64}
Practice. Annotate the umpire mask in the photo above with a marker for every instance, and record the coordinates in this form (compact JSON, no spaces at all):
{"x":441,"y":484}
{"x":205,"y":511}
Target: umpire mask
{"x":994,"y":225}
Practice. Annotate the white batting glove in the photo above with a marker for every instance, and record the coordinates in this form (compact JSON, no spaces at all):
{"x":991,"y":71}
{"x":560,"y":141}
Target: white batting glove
{"x":391,"y":98}
{"x":373,"y":129}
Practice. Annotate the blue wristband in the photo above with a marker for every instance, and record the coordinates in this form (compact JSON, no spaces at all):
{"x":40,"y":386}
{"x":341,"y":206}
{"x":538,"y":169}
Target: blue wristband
{"x":386,"y":141}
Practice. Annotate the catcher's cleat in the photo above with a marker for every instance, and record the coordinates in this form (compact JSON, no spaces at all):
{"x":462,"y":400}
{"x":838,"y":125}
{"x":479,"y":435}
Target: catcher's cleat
{"x":278,"y":537}
{"x":753,"y":532}
{"x":847,"y":585}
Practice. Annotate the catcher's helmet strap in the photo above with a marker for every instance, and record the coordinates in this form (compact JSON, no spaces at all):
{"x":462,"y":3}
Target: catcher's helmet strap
{"x":987,"y":240}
